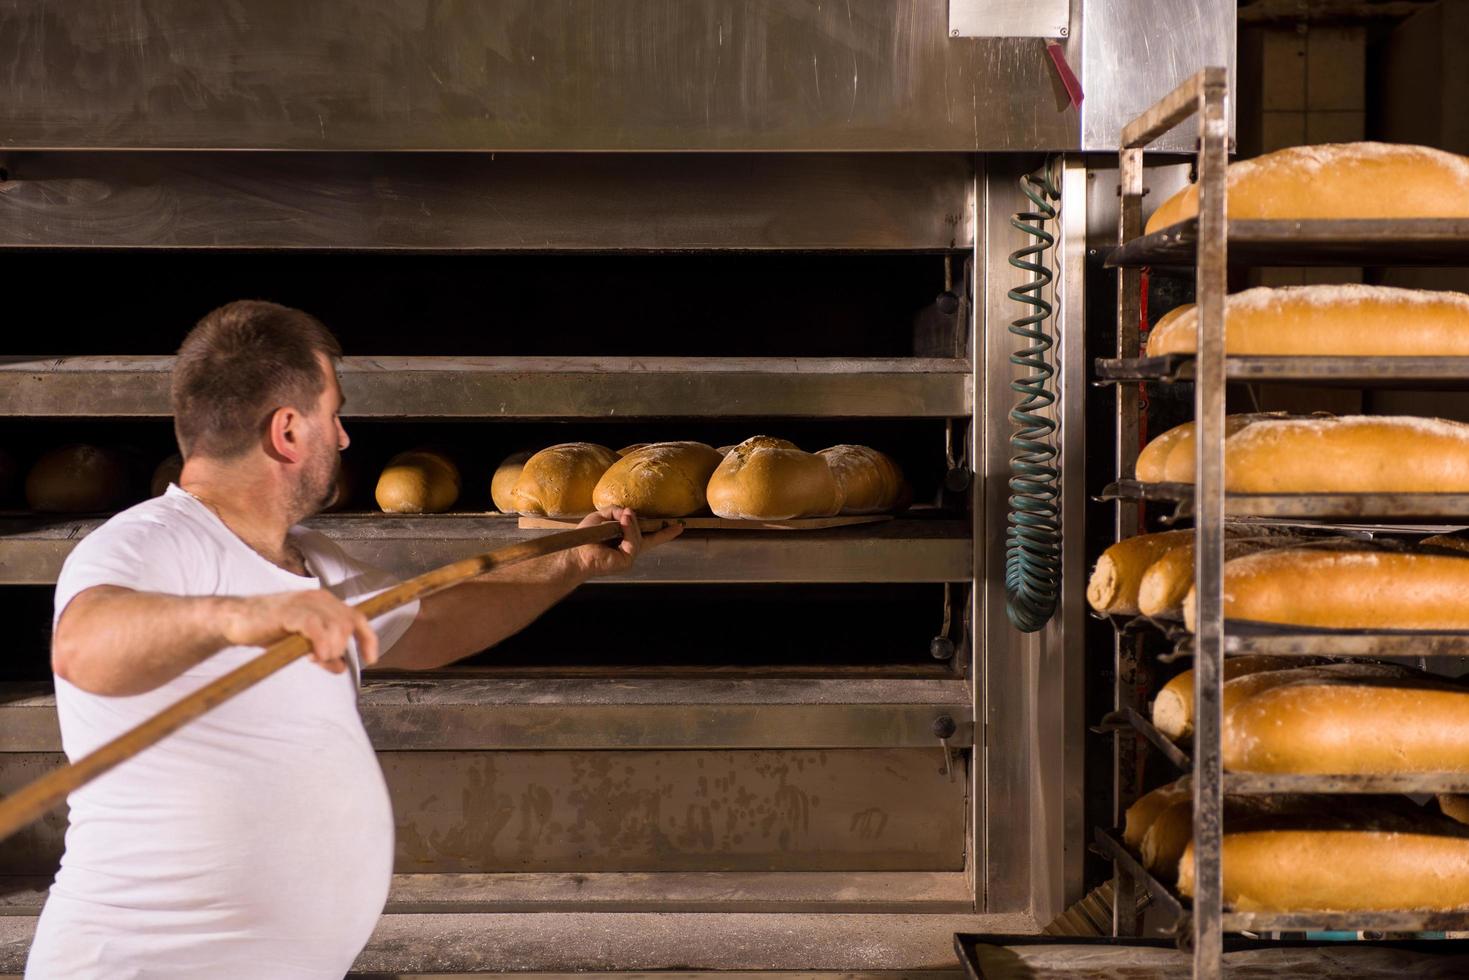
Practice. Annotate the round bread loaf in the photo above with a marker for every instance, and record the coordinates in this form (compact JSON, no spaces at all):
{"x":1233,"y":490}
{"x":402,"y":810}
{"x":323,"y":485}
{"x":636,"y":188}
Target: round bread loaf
{"x":507,"y":474}
{"x":664,"y":479}
{"x":558,"y":482}
{"x":77,"y":479}
{"x":1169,"y":458}
{"x":1336,"y":180}
{"x":1349,"y":320}
{"x":1345,"y":590}
{"x":1340,"y":726}
{"x":419,"y":481}
{"x":1173,"y":707}
{"x":768,"y":479}
{"x":1302,"y":870}
{"x":165,"y":473}
{"x":1113,"y":587}
{"x":868,"y":482}
{"x":1149,"y":806}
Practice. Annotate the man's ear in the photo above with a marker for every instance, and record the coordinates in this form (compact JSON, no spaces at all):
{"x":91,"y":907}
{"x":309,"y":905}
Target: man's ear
{"x":283,"y":435}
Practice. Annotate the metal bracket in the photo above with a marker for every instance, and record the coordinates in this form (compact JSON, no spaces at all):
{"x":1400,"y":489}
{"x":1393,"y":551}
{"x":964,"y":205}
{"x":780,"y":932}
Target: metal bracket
{"x":1009,"y":18}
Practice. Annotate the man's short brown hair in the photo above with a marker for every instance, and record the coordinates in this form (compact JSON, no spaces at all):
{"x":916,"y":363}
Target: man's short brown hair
{"x":238,"y":365}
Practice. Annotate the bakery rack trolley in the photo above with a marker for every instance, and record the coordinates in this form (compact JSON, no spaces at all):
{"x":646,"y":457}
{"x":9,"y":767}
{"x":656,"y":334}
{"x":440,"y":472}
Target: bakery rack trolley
{"x":1208,"y":244}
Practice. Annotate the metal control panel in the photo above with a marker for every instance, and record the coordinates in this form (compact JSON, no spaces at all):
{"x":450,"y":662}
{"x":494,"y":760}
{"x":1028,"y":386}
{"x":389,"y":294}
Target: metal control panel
{"x":1009,"y":18}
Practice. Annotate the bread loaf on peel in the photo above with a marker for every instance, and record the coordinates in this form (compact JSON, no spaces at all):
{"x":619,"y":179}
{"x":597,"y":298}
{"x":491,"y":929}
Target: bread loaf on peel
{"x":1348,"y":320}
{"x":1345,"y":590}
{"x":868,"y":482}
{"x":770,"y":479}
{"x":558,"y":482}
{"x":419,"y":481}
{"x":1336,"y":180}
{"x":77,"y":479}
{"x":1113,"y":587}
{"x":664,"y":479}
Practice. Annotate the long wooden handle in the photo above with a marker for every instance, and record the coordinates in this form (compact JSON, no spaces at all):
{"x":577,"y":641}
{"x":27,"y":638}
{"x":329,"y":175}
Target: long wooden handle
{"x":32,"y":801}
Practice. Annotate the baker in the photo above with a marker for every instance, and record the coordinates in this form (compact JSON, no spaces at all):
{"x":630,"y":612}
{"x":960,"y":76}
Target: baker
{"x":258,"y":841}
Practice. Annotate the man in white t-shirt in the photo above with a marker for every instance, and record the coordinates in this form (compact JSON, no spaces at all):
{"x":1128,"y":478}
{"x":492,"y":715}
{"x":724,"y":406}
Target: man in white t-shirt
{"x":257,"y":842}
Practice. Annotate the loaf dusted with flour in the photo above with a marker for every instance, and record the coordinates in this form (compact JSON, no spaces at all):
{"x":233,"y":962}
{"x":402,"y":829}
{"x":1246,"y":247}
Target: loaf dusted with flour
{"x":558,"y":482}
{"x":1336,"y":180}
{"x":770,"y":479}
{"x":419,"y":481}
{"x":1348,"y":320}
{"x":1169,"y":458}
{"x":1345,"y":590}
{"x":868,"y":482}
{"x":1165,"y":583}
{"x":1173,"y":707}
{"x":663,"y":479}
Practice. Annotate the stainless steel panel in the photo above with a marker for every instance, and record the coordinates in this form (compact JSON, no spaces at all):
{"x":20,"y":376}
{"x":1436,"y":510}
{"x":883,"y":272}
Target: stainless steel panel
{"x":517,"y":75}
{"x":515,"y":202}
{"x":1136,"y":51}
{"x":525,"y":387}
{"x":1009,"y":18}
{"x":803,"y":810}
{"x":31,"y":551}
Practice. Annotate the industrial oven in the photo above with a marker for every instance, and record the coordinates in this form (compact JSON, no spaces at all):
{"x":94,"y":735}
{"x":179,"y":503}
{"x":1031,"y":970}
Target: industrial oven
{"x":530,"y":222}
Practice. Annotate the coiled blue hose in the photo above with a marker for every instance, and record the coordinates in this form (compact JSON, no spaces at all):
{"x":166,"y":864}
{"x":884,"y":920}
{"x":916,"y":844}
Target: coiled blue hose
{"x":1033,"y":537}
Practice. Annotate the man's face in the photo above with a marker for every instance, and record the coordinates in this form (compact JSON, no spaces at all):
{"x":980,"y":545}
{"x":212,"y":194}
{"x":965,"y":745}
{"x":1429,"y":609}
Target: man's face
{"x":324,"y":440}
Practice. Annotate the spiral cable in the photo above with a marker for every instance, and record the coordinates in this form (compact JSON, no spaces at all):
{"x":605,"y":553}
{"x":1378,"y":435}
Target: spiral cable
{"x":1033,"y":535}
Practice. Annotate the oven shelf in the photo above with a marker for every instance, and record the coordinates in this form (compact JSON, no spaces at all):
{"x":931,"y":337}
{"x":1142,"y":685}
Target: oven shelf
{"x":1356,"y":242}
{"x":1444,"y":373}
{"x":907,"y":549}
{"x":536,"y":387}
{"x":433,"y":713}
{"x":1448,"y":509}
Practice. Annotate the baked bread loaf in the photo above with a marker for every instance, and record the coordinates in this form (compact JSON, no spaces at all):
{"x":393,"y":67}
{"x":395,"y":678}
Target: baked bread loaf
{"x":1349,"y":320}
{"x":77,"y":479}
{"x":1336,"y":180}
{"x":1165,"y":583}
{"x":1455,"y":806}
{"x":1169,"y":458}
{"x":1350,"y":454}
{"x":506,"y":475}
{"x":420,"y":481}
{"x":1148,"y":807}
{"x":1173,"y":707}
{"x":868,"y":482}
{"x":1345,"y":590}
{"x":770,"y":479}
{"x":1336,"y":725}
{"x":1115,"y":582}
{"x":558,"y":482}
{"x":165,"y":473}
{"x":664,"y":479}
{"x":1308,"y":869}
{"x":633,"y":448}
{"x":1169,"y":836}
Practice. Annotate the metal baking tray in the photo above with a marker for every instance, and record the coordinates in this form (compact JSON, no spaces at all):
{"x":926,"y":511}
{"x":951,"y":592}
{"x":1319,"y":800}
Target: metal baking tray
{"x":1247,"y":636}
{"x":1449,"y":373}
{"x":1450,"y":509}
{"x":1355,"y":242}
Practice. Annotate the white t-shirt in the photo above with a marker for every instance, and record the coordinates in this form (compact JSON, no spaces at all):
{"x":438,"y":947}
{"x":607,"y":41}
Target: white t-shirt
{"x":256,"y":842}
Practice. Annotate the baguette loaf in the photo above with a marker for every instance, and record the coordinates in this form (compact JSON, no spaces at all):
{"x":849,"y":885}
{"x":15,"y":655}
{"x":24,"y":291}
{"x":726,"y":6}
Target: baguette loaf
{"x":1345,"y":590}
{"x":1170,"y":834}
{"x":1166,"y":582}
{"x":1170,"y":457}
{"x":1173,"y":707}
{"x":664,"y":479}
{"x":868,"y":482}
{"x":1339,"y":726}
{"x":772,"y":480}
{"x":1148,"y":807}
{"x":506,"y":475}
{"x":1114,"y":586}
{"x":1336,"y":180}
{"x":558,"y":482}
{"x":77,"y":479}
{"x":420,"y":481}
{"x":1350,"y":454}
{"x":1349,"y":320}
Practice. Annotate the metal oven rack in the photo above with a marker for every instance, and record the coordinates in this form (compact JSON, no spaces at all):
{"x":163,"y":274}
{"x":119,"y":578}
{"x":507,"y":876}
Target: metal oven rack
{"x":1209,"y":244}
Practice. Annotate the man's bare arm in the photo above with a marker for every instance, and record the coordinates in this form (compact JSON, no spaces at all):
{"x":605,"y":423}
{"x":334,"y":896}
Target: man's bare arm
{"x":480,"y":613}
{"x":115,"y":641}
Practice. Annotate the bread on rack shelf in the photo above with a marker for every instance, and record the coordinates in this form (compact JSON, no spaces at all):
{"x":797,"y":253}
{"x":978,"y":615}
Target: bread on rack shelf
{"x":868,"y":481}
{"x":1335,"y":180}
{"x":1345,"y":589}
{"x":1173,"y":707}
{"x":663,"y":479}
{"x":1336,"y":724}
{"x":1347,"y":320}
{"x":1341,"y":860}
{"x":770,"y":479}
{"x":1171,"y":832}
{"x":1149,"y":806}
{"x":1117,"y":578}
{"x":506,"y":475}
{"x":420,"y":481}
{"x":78,"y":479}
{"x":1165,"y":583}
{"x":1169,"y":458}
{"x":558,"y":482}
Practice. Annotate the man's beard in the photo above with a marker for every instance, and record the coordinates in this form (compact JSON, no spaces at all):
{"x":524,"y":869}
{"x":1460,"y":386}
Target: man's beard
{"x":318,"y":490}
